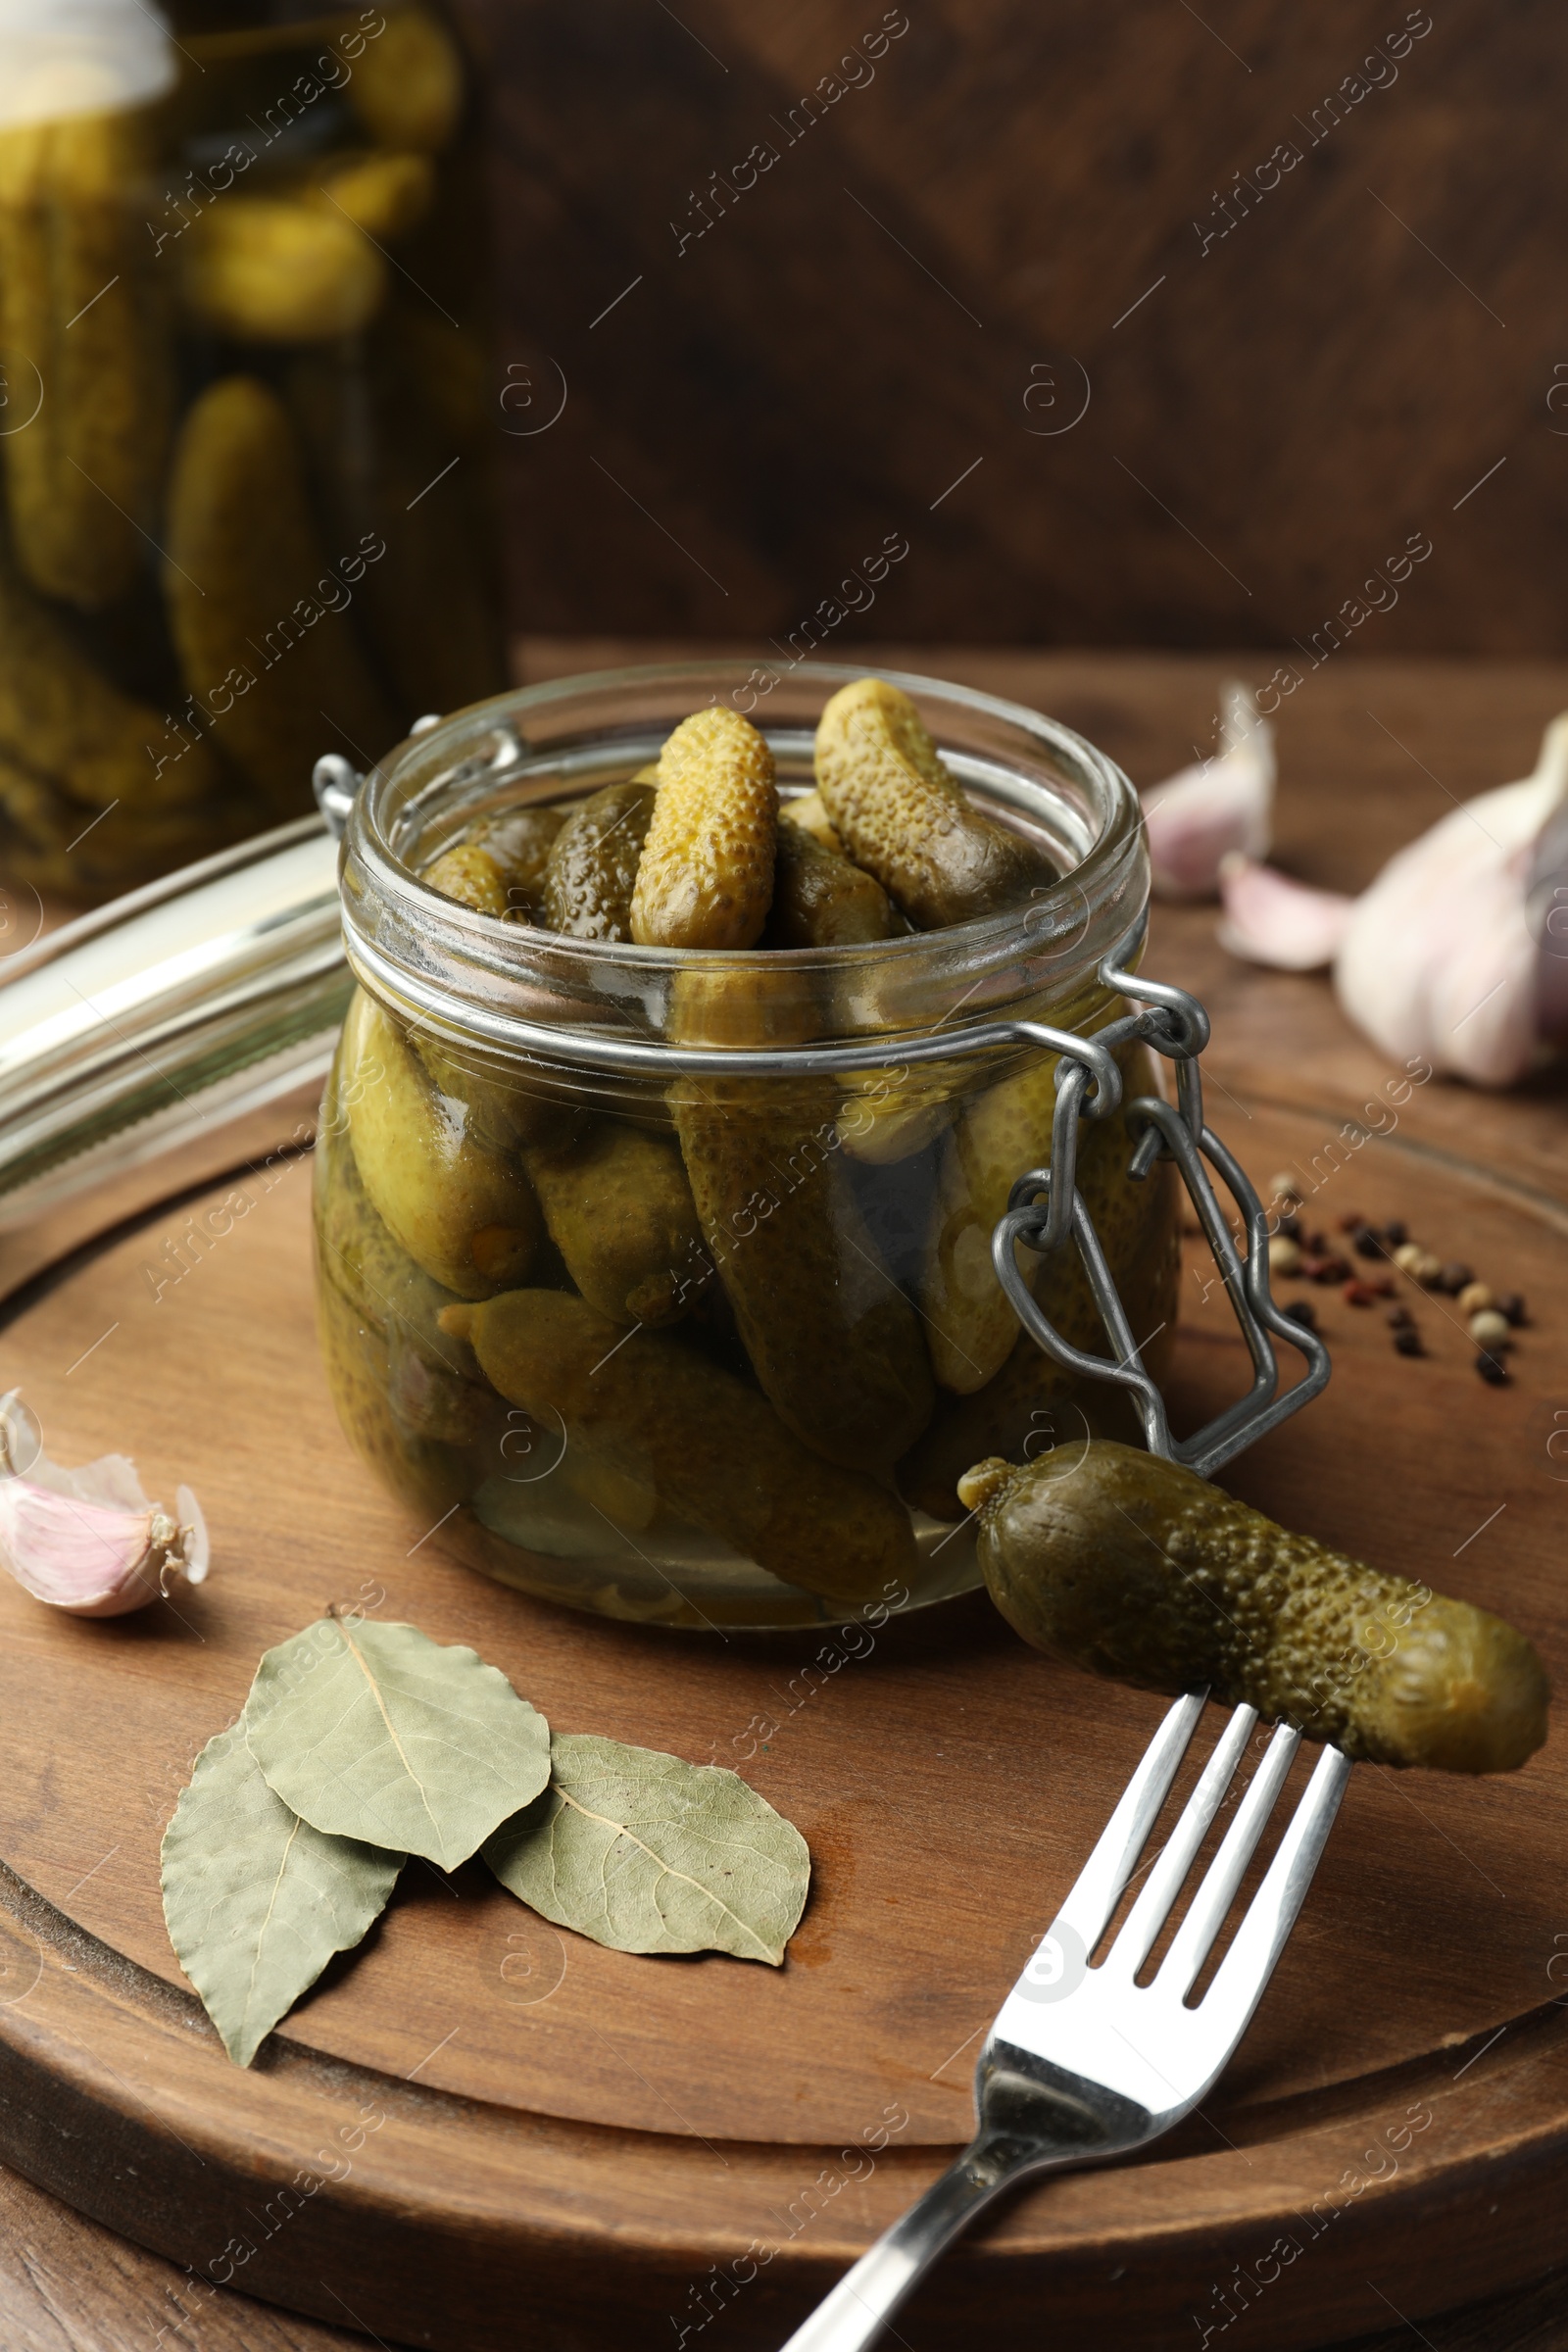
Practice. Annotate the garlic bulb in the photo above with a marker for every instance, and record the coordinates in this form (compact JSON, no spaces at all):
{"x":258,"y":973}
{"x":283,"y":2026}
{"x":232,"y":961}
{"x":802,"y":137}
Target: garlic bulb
{"x":1196,"y":819}
{"x":1459,"y":949}
{"x":1269,"y":919}
{"x":89,"y":1541}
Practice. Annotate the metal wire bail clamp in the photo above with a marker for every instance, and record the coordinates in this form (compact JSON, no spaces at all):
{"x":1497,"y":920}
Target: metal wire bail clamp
{"x":1045,"y":1210}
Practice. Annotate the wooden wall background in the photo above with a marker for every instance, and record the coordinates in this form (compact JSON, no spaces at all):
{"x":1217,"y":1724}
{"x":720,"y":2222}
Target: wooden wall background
{"x":972,"y":227}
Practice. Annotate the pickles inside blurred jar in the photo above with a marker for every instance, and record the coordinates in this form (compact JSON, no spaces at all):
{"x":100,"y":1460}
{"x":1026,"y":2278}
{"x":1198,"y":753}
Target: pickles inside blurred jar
{"x":244,"y":330}
{"x":738,"y":1330}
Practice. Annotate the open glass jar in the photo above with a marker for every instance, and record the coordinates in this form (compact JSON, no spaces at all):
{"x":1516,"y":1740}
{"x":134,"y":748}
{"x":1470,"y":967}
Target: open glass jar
{"x":243,"y":444}
{"x":726,"y":1216}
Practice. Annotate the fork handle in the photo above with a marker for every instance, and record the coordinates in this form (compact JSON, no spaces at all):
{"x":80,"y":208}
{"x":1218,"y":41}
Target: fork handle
{"x":852,"y":2315}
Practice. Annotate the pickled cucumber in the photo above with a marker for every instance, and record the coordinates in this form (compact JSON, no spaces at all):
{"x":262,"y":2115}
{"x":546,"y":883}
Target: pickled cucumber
{"x":592,"y":870}
{"x":807,"y":811}
{"x":432,"y":1384}
{"x":520,"y":842}
{"x":883,"y":1119}
{"x":714,"y":1449}
{"x":57,"y":845}
{"x":706,"y":876}
{"x":833,"y":1339}
{"x":1033,"y":1403}
{"x":459,"y":1210}
{"x":407,"y":87}
{"x":471,"y":876}
{"x":280,"y":270}
{"x":95,"y":793}
{"x":259,"y":621}
{"x":81,"y":303}
{"x":821,"y":899}
{"x":903,"y":817}
{"x":998,"y":1136}
{"x":64,"y":724}
{"x":620,"y":1210}
{"x":488,"y":1100}
{"x":1137,"y":1568}
{"x":384,"y":195}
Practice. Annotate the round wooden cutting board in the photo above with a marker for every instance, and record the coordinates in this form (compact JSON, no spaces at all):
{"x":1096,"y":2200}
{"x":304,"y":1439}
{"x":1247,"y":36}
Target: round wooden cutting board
{"x":479,"y":2131}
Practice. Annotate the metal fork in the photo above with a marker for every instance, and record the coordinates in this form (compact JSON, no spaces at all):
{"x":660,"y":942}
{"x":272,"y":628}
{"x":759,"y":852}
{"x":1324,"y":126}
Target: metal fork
{"x":1082,"y":2063}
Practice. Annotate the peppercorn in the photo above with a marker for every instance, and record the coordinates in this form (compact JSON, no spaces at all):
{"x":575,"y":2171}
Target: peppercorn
{"x":1454,"y":1278}
{"x":1473,"y":1298}
{"x":1358,"y":1293}
{"x":1489,"y":1329}
{"x":1493,"y":1370}
{"x":1326,"y":1269}
{"x":1400,"y":1319}
{"x":1350,"y":1220}
{"x":1395,"y":1232}
{"x":1285,"y":1187}
{"x":1283,"y":1258}
{"x":1291,"y":1227}
{"x":1512,"y":1305}
{"x":1369,"y":1243}
{"x":1302,"y":1312}
{"x":1409,"y":1341}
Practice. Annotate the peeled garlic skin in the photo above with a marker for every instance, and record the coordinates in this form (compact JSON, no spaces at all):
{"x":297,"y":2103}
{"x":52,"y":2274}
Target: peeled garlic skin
{"x":92,"y":1559}
{"x":87,"y":1541}
{"x":1137,"y":1568}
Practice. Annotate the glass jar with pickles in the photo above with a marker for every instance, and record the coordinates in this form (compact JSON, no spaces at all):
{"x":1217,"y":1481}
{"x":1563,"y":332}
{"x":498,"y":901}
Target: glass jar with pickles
{"x":660,"y":1162}
{"x":242,"y":433}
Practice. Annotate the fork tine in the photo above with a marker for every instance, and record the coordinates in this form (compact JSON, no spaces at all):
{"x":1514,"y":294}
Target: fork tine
{"x":1097,"y":1889}
{"x":1205,"y":1916}
{"x":1270,"y":1916}
{"x":1164,"y":1881}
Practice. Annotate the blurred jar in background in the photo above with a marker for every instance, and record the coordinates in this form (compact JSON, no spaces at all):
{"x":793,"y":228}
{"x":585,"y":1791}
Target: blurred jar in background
{"x":243,"y":364}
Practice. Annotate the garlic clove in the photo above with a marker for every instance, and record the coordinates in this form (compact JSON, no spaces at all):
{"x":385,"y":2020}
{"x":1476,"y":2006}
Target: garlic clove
{"x":1451,"y":956}
{"x":1269,"y":919}
{"x":1197,"y":816}
{"x":89,"y":1541}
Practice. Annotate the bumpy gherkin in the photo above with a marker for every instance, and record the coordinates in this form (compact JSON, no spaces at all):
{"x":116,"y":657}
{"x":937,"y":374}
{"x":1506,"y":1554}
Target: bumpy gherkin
{"x":433,"y":1385}
{"x":261,"y":625}
{"x":407,"y":86}
{"x":1137,"y":1568}
{"x":621,"y":1211}
{"x":274,"y":270}
{"x":96,"y":790}
{"x":903,"y":817}
{"x":833,"y":1339}
{"x":716,"y":1452}
{"x":461,"y":1210}
{"x":81,"y":304}
{"x":820,"y":900}
{"x":999,"y":1135}
{"x":706,"y":872}
{"x":1032,"y":1403}
{"x":520,"y":840}
{"x":592,"y":868}
{"x":471,"y":876}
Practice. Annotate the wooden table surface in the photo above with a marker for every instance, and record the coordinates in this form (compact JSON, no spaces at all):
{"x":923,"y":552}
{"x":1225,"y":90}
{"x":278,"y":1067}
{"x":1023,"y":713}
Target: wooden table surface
{"x":1370,"y":753}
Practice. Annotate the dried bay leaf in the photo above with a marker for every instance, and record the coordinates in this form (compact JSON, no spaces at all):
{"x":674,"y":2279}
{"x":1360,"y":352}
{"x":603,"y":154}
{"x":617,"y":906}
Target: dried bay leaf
{"x":257,"y":1902}
{"x":378,"y":1732}
{"x":646,"y":1854}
